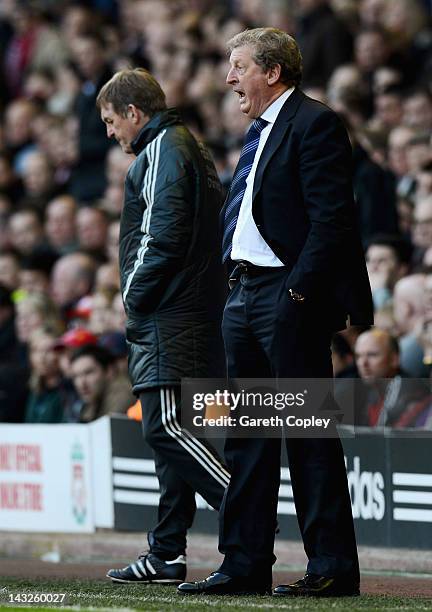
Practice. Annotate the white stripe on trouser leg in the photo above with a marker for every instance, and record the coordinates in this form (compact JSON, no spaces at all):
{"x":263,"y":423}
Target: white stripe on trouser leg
{"x":190,"y":448}
{"x":189,"y":438}
{"x":186,"y":444}
{"x":197,"y":443}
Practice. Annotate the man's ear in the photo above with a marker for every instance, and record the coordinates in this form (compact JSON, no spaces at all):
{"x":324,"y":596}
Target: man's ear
{"x":136,"y":115}
{"x":273,"y":74}
{"x":133,"y":113}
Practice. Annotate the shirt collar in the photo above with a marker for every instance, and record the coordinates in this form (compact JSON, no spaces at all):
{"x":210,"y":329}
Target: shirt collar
{"x":271,"y":113}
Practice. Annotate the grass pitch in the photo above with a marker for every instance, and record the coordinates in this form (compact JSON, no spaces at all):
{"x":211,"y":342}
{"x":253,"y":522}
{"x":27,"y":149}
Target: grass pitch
{"x":101,"y":595}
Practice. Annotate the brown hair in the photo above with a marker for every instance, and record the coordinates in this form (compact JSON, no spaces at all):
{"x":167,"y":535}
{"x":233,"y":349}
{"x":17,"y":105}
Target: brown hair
{"x":270,"y":48}
{"x":132,"y":86}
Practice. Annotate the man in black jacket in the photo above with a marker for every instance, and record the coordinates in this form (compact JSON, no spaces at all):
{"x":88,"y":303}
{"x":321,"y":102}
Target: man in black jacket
{"x":170,"y":273}
{"x":299,"y":272}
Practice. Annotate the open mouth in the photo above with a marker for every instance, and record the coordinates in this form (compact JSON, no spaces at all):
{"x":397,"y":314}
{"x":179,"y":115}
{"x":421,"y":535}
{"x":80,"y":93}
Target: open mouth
{"x":240,"y":94}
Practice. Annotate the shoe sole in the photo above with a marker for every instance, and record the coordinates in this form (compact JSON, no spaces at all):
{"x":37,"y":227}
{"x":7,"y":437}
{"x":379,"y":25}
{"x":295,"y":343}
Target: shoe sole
{"x":357,"y":594}
{"x":160,"y":581}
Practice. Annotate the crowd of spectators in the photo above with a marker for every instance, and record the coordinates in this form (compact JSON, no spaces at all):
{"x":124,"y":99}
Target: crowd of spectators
{"x":62,"y":343}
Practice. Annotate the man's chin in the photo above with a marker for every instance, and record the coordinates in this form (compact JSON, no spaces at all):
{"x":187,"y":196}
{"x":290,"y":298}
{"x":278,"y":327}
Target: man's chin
{"x":244,"y":107}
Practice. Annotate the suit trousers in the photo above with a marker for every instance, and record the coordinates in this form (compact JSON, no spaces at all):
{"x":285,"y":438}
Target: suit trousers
{"x":268,"y":335}
{"x":184,"y":465}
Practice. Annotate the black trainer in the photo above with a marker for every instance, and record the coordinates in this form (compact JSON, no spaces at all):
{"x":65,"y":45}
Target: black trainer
{"x":150,"y":569}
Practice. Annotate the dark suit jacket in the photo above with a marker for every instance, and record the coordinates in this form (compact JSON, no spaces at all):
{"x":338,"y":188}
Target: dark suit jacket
{"x":303,"y":207}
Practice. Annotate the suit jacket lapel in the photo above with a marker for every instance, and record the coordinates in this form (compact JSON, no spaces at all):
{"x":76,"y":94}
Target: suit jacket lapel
{"x":277,"y":134}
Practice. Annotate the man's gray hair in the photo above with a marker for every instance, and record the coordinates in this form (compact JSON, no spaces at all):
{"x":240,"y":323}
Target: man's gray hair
{"x":270,"y":48}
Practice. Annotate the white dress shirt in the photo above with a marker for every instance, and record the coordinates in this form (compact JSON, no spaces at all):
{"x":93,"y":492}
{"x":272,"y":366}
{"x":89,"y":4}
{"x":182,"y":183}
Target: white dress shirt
{"x":248,"y":244}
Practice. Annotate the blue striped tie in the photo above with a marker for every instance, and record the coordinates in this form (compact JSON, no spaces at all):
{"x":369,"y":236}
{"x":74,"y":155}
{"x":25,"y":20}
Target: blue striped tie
{"x":238,"y":185}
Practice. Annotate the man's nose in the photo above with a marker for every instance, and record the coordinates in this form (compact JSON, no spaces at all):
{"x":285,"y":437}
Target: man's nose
{"x":110,"y":131}
{"x":230,"y":78}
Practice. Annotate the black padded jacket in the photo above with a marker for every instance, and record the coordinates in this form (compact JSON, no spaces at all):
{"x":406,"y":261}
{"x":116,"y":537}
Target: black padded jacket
{"x":171,"y":276}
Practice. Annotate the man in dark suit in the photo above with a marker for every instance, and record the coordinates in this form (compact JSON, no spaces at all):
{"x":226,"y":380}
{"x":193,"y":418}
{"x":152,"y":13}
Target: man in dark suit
{"x":298,"y":272}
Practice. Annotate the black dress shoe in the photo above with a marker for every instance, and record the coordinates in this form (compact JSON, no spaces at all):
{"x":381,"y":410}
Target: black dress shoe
{"x":319,"y":586}
{"x":221,"y":584}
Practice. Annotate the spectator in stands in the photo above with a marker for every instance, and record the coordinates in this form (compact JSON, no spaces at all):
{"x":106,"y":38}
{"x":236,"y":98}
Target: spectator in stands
{"x":422,"y":234}
{"x":38,"y":181}
{"x":72,"y":278}
{"x":67,"y":344}
{"x":377,"y":358}
{"x":92,"y":229}
{"x":76,"y":20}
{"x":388,"y":259}
{"x":418,"y":110}
{"x":371,"y":51}
{"x":344,"y":365}
{"x":26,"y":231}
{"x":419,"y":152}
{"x":34,"y":311}
{"x":348,"y":95}
{"x":108,"y":278}
{"x":408,"y":308}
{"x":374,"y":191}
{"x":100,"y":316}
{"x":60,"y":144}
{"x":100,"y":391}
{"x":419,"y":414}
{"x":45,"y":402}
{"x":9,"y":269}
{"x":405,"y":20}
{"x":388,"y":109}
{"x":88,"y":180}
{"x":19,"y":115}
{"x":60,"y":224}
{"x":317,"y":25}
{"x":384,"y":319}
{"x":36,"y":270}
{"x":398,"y":141}
{"x":385,"y":79}
{"x":371,"y":12}
{"x":39,"y":85}
{"x":34,"y":44}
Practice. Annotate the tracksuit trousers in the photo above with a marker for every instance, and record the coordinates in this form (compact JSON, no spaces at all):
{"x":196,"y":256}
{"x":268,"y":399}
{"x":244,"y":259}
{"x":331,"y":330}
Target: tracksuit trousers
{"x":184,"y":466}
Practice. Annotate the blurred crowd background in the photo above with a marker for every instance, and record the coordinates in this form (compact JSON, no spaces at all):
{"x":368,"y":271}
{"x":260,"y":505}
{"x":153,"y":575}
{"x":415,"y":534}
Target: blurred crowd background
{"x":62,"y":343}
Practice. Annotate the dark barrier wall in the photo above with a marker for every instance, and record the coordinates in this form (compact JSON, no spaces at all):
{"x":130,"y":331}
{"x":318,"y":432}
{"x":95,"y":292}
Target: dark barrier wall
{"x":390,"y":481}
